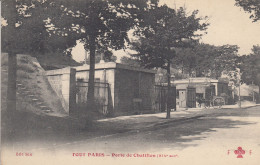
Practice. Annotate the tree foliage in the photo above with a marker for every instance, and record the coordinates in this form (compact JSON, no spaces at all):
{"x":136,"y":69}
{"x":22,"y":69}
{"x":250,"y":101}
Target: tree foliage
{"x":250,"y":67}
{"x":196,"y":61}
{"x":204,"y":60}
{"x":107,"y":57}
{"x":28,"y":30}
{"x":106,"y":21}
{"x":163,"y":31}
{"x":252,"y":7}
{"x":130,"y":61}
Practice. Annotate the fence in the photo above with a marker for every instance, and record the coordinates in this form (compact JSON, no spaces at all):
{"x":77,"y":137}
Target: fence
{"x":101,"y":94}
{"x":160,"y":98}
{"x":103,"y":97}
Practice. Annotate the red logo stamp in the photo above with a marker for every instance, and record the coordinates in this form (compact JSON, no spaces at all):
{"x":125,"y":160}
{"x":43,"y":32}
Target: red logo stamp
{"x":239,"y":152}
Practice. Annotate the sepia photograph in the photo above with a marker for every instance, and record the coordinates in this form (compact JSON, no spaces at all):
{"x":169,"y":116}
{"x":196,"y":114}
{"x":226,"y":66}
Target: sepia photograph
{"x":130,"y":82}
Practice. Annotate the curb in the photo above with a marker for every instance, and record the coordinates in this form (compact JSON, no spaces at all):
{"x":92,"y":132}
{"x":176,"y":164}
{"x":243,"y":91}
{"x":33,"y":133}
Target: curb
{"x":249,"y":106}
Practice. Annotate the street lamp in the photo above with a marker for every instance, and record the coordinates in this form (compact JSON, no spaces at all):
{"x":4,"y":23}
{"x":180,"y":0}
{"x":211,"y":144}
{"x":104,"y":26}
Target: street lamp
{"x":239,"y":81}
{"x":172,"y":80}
{"x":160,"y":77}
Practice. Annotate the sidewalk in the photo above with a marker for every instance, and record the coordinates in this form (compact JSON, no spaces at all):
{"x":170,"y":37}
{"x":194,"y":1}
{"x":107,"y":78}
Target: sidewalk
{"x":137,"y":122}
{"x":245,"y":104}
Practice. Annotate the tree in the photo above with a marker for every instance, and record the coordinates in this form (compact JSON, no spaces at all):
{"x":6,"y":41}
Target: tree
{"x":21,"y":33}
{"x":32,"y":31}
{"x":106,"y":55}
{"x":196,"y":61}
{"x":130,"y":61}
{"x":250,"y":6}
{"x":226,"y":61}
{"x":13,"y":42}
{"x":101,"y":24}
{"x":250,"y":68}
{"x":164,"y":30}
{"x":27,"y":30}
{"x":204,"y":60}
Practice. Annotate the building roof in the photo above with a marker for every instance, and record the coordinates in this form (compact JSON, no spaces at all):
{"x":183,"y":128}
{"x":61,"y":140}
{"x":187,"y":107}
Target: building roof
{"x":200,"y":80}
{"x":113,"y":65}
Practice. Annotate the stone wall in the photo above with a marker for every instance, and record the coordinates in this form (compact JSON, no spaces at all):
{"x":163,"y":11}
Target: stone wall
{"x":133,"y":91}
{"x":55,"y":81}
{"x":64,"y":84}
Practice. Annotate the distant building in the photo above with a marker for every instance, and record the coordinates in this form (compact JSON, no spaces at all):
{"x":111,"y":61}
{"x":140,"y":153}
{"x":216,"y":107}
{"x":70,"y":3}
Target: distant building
{"x":248,"y":92}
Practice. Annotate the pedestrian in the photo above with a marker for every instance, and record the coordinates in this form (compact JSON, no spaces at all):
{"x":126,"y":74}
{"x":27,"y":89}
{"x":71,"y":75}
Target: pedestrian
{"x":199,"y":101}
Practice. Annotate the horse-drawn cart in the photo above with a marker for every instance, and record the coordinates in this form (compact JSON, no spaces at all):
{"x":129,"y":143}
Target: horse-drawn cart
{"x":215,"y":102}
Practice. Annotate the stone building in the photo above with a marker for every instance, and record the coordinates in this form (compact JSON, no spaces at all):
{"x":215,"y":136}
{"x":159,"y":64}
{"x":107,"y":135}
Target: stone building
{"x":120,"y":88}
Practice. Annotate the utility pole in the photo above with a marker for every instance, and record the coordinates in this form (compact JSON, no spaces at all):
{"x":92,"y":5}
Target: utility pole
{"x":239,"y":99}
{"x":253,"y":91}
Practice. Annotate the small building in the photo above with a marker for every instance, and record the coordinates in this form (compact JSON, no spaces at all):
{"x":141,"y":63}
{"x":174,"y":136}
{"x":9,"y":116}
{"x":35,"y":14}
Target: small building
{"x":248,"y":92}
{"x":119,"y":88}
{"x":131,"y":88}
{"x":189,"y":90}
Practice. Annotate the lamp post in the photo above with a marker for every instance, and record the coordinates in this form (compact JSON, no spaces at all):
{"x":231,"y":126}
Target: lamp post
{"x":239,"y":98}
{"x":253,"y":91}
{"x":160,"y":89}
{"x":172,"y":80}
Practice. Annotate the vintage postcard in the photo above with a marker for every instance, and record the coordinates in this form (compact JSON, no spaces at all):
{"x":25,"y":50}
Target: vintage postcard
{"x":130,"y":82}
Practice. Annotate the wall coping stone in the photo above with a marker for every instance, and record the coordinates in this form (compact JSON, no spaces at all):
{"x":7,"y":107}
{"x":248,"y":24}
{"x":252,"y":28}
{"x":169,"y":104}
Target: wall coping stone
{"x":199,"y":80}
{"x":62,"y":71}
{"x":113,"y":65}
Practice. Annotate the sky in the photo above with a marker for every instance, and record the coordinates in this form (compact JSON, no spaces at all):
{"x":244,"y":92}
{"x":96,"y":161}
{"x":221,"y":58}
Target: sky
{"x":229,"y":24}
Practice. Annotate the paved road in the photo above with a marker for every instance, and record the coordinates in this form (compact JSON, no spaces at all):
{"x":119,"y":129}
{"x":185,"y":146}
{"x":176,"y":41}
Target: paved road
{"x":212,"y":136}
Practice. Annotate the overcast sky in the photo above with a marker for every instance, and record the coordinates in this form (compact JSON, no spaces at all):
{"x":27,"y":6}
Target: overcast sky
{"x":229,"y":24}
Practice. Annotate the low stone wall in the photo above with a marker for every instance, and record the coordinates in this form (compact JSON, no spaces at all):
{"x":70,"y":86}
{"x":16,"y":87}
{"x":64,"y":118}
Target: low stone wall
{"x":63,"y":83}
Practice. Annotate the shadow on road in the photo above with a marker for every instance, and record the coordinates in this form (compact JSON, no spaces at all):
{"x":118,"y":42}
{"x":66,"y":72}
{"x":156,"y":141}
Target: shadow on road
{"x":180,"y":133}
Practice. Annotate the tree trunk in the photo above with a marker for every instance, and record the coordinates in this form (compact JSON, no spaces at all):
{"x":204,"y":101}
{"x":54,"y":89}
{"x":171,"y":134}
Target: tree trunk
{"x":11,"y":88}
{"x":91,"y":83}
{"x":168,"y":116}
{"x":258,"y":100}
{"x":190,"y":75}
{"x":11,"y":96}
